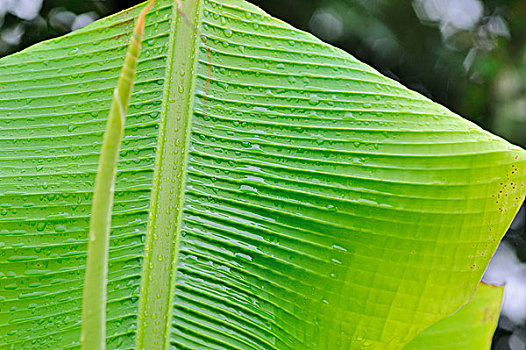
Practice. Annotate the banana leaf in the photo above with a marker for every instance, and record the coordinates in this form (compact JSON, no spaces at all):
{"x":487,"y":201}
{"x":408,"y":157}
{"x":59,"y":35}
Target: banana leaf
{"x":273,"y":192}
{"x":471,"y":328}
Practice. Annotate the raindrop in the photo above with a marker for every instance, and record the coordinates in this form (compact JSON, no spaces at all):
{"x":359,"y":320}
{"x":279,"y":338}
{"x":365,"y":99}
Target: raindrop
{"x":41,"y":226}
{"x":248,"y":189}
{"x":60,"y":228}
{"x":314,"y":100}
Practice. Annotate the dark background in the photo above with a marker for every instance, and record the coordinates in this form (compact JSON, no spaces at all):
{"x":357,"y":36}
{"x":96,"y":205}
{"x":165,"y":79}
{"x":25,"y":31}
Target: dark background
{"x":469,"y":55}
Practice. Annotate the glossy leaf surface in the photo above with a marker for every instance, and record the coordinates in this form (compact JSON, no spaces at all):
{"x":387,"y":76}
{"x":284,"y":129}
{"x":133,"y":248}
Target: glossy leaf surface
{"x":273,"y":192}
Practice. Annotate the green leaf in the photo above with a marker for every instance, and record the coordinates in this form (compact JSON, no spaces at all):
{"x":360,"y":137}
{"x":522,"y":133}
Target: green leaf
{"x":470,"y":328}
{"x":273,"y":192}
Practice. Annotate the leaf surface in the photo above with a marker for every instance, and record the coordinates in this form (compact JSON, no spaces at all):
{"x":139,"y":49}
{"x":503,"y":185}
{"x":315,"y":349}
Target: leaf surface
{"x":273,"y":192}
{"x":471,"y":328}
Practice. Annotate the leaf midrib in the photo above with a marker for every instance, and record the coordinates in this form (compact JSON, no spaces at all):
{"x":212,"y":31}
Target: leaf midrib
{"x":159,"y":268}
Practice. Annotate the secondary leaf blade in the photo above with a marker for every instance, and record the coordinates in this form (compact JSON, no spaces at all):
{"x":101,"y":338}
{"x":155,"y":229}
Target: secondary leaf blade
{"x":470,"y":328}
